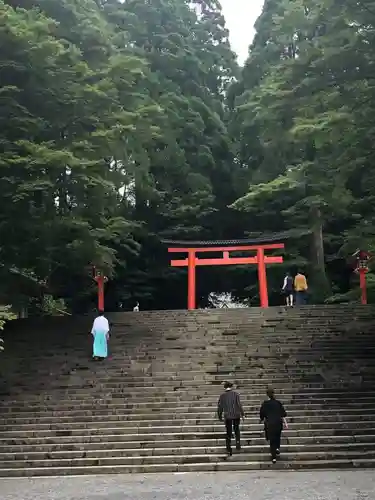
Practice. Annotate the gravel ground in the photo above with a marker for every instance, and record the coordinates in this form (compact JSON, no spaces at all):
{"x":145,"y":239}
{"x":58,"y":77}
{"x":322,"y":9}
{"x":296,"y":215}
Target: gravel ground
{"x":327,"y":485}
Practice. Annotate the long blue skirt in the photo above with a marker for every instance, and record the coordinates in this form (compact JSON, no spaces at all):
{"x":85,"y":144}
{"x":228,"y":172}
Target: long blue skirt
{"x":100,"y":347}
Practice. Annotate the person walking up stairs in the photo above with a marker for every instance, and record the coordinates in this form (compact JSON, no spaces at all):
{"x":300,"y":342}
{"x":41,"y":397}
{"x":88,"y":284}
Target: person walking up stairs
{"x":230,"y":406}
{"x":288,"y":289}
{"x":273,"y":414}
{"x":100,"y":333}
{"x":300,"y":286}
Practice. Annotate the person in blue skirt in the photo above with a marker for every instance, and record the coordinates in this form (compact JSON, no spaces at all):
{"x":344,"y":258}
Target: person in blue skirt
{"x":100,"y":332}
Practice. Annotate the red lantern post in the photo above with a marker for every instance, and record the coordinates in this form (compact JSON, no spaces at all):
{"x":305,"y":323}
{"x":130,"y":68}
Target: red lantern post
{"x":100,"y":280}
{"x":362,"y":260}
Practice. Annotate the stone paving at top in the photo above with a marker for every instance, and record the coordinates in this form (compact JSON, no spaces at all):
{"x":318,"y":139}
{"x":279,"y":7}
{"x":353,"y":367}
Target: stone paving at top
{"x":316,"y":485}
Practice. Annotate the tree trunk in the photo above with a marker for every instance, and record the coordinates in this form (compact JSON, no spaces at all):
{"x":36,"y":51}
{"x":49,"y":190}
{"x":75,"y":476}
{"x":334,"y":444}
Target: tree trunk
{"x":321,"y":285}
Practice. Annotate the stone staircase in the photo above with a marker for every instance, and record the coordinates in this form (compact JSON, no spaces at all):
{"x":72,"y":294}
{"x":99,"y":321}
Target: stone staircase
{"x":151,"y":407}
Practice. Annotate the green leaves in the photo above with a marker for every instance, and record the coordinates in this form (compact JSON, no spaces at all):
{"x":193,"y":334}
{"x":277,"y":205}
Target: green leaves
{"x":69,"y":98}
{"x":112,"y":135}
{"x":306,"y":96}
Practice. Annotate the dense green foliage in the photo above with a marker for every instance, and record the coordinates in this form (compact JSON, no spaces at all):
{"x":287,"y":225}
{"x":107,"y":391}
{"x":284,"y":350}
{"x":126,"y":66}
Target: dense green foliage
{"x":302,"y":111}
{"x":126,"y":123}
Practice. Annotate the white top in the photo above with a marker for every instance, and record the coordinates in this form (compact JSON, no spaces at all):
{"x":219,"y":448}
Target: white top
{"x":285,"y":282}
{"x":100,"y":325}
{"x":136,"y":309}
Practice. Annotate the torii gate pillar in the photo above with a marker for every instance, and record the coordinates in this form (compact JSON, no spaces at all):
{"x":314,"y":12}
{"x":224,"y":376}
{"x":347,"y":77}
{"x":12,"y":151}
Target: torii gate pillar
{"x":100,"y":281}
{"x":192,"y":261}
{"x":191,"y":280}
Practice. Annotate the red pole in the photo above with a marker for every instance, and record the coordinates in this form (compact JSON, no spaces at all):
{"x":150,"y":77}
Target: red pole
{"x":191,"y":280}
{"x":262,"y":276}
{"x":100,"y":281}
{"x":362,"y":283}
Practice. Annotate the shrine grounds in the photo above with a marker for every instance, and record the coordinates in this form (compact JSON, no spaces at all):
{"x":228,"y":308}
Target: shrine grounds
{"x":312,"y":485}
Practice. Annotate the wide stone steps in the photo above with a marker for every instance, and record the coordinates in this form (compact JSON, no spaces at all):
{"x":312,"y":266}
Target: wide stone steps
{"x":151,"y":407}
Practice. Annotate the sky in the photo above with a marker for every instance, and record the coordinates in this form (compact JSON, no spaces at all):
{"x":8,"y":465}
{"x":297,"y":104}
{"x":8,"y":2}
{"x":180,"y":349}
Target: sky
{"x":240,"y":16}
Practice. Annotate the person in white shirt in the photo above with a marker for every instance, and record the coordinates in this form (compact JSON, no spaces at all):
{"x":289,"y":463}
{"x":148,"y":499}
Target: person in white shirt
{"x":100,"y":332}
{"x":136,"y":307}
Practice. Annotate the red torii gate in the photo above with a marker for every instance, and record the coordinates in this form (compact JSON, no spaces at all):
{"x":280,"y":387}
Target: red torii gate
{"x":260,"y":259}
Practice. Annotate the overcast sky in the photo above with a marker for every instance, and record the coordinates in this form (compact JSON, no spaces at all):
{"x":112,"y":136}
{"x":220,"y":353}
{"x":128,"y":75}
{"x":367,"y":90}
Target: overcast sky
{"x":240,"y":16}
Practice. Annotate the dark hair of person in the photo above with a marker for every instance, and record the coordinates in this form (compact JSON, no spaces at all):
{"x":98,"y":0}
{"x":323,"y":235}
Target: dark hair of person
{"x":228,"y":385}
{"x":100,"y":312}
{"x":271,"y":393}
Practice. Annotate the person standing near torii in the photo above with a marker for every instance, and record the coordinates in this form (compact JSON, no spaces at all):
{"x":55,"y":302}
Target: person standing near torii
{"x":288,"y":289}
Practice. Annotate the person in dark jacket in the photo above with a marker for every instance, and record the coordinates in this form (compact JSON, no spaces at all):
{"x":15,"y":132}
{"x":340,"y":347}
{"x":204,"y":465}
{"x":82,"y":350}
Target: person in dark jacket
{"x":288,"y":289}
{"x":230,"y":406}
{"x":273,"y":414}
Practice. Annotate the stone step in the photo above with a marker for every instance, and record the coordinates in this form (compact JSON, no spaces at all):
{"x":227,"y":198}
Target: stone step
{"x":177,"y":414}
{"x":213,"y":366}
{"x":202,"y":388}
{"x":306,"y":441}
{"x":92,"y":402}
{"x":244,"y":364}
{"x":169,"y":362}
{"x":180,"y":459}
{"x":247,"y":346}
{"x":65,"y":437}
{"x":228,"y":465}
{"x":191,"y":421}
{"x":220,"y":373}
{"x":214,"y":383}
{"x":55,"y":403}
{"x":155,"y":323}
{"x":124,"y":428}
{"x":365,"y":404}
{"x":209,"y":375}
{"x":241,"y":371}
{"x":194,"y":450}
{"x":205,"y":338}
{"x":243,"y":345}
{"x":282,"y":330}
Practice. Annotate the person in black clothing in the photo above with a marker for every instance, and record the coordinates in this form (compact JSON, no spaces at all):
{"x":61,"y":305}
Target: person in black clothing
{"x":230,"y":406}
{"x":288,"y":289}
{"x":273,"y":414}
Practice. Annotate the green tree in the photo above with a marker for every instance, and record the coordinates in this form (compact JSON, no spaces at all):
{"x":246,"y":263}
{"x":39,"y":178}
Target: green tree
{"x":182,"y":184}
{"x":69,"y":98}
{"x":305,"y":95}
